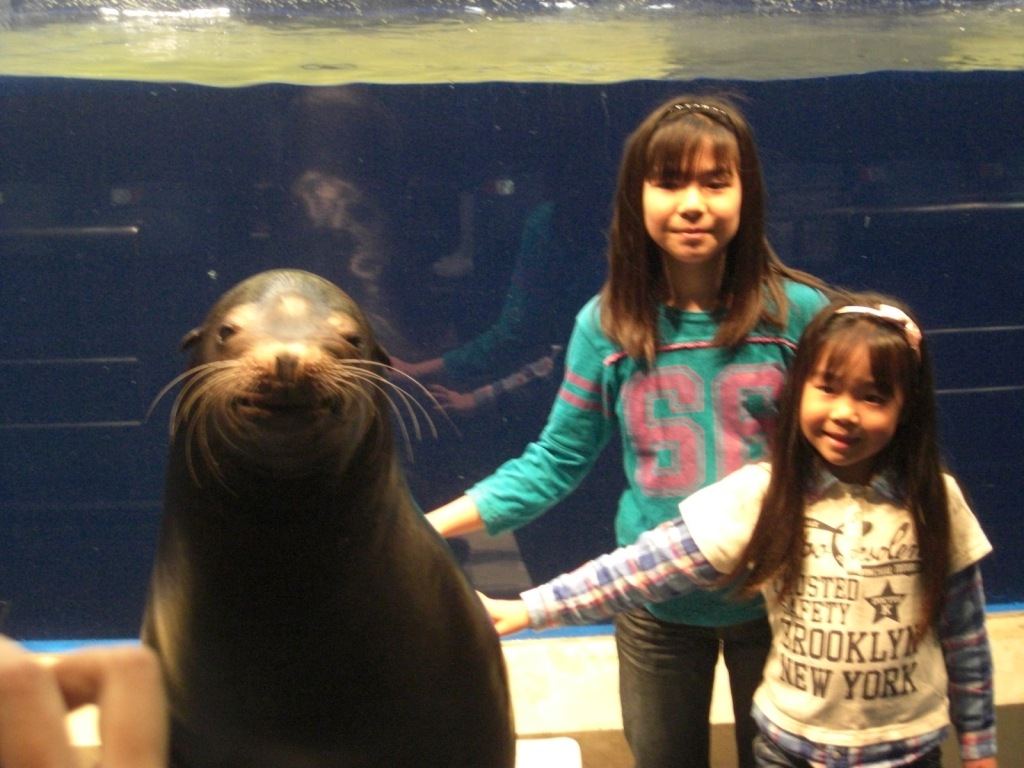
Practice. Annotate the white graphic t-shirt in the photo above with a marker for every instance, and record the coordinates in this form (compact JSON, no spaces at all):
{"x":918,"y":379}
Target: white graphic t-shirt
{"x":846,"y":666}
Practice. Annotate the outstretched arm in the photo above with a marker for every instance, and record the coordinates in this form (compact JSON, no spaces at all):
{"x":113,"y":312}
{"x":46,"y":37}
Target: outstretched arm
{"x":663,"y":563}
{"x":456,"y":518}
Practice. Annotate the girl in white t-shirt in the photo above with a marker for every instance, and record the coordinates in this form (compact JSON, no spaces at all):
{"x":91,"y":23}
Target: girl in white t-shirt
{"x":865,"y":550}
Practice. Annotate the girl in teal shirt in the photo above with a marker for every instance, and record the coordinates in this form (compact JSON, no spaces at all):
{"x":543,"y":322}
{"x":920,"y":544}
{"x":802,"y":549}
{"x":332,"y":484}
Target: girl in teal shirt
{"x":684,"y":353}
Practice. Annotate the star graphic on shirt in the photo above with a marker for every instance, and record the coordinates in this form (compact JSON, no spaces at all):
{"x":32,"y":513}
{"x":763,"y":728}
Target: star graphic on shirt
{"x":887,"y":604}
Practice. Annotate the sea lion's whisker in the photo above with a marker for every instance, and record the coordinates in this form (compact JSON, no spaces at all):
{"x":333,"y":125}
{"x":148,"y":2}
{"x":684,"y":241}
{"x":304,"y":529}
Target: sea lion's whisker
{"x":393,"y":407}
{"x":197,"y":437}
{"x":168,"y":387}
{"x":389,"y":390}
{"x":346,"y":385}
{"x":201,"y":401}
{"x":413,"y":408}
{"x":195,"y":380}
{"x":353,"y":382}
{"x":426,"y":393}
{"x":423,"y":390}
{"x":190,"y":378}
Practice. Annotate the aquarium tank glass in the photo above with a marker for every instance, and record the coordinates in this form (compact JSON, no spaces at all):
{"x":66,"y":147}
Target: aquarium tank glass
{"x":155,"y":152}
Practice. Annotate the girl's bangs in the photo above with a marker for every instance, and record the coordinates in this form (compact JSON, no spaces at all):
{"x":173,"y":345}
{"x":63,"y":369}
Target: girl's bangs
{"x":888,"y":353}
{"x":676,"y":146}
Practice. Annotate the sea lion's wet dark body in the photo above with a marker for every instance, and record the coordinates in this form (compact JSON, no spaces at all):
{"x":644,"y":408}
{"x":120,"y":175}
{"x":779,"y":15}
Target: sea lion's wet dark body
{"x":305,"y":613}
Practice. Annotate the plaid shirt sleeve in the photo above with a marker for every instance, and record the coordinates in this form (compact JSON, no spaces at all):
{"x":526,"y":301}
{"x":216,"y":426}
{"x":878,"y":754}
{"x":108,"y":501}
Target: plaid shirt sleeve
{"x":664,"y":562}
{"x":969,"y":664}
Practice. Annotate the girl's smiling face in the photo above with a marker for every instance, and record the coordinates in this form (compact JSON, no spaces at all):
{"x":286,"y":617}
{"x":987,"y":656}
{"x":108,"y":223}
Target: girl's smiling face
{"x":847,"y":417}
{"x":692,"y":215}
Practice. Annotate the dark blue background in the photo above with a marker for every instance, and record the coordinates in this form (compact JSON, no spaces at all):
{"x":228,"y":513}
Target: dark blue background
{"x":127,"y":208}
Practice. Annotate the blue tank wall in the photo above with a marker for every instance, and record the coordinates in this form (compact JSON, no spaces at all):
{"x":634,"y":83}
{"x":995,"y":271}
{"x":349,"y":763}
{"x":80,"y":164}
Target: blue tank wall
{"x":127,"y":208}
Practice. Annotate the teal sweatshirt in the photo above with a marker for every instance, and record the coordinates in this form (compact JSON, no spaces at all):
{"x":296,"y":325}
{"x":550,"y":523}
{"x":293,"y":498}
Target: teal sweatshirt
{"x":699,"y":413}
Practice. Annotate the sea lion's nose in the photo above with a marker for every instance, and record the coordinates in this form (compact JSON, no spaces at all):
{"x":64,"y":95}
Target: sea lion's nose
{"x":287,"y":366}
{"x":286,"y":363}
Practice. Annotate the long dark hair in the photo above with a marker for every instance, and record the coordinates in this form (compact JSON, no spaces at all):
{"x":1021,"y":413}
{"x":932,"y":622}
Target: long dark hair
{"x":775,"y":551}
{"x":669,"y":139}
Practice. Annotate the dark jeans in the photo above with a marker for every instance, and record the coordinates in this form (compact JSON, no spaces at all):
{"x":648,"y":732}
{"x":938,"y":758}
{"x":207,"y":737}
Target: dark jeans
{"x":666,"y":673}
{"x":768,"y":755}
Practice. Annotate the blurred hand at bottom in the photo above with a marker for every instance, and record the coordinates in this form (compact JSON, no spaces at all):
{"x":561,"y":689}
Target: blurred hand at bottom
{"x":35,"y":697}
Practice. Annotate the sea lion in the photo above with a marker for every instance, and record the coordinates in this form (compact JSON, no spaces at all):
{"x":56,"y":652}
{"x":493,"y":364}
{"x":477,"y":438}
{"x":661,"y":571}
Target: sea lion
{"x":305,"y":613}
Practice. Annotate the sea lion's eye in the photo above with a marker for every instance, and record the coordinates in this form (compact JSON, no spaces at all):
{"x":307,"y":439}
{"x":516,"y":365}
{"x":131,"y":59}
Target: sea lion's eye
{"x":354,"y":339}
{"x":225,"y":332}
